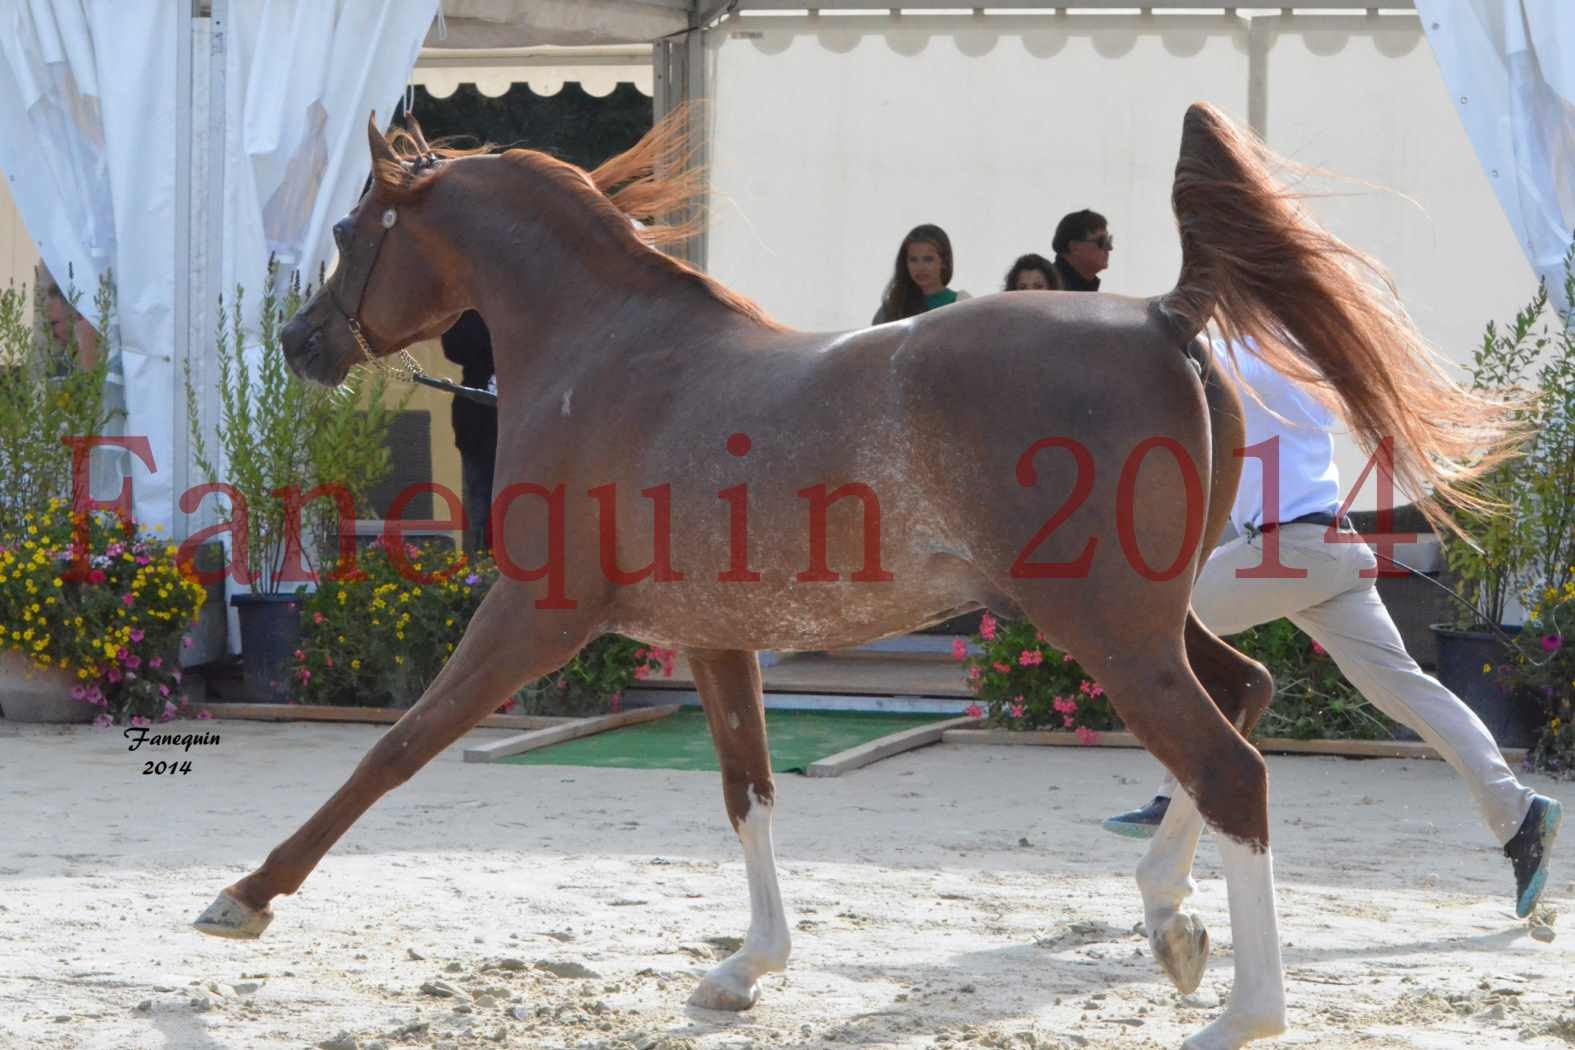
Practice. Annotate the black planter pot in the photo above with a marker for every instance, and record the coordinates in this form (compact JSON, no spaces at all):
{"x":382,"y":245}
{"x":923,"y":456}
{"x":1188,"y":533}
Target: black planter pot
{"x":1461,"y":657}
{"x":270,"y":634}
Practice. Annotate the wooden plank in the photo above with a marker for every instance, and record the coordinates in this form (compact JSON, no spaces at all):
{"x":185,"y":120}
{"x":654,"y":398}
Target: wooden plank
{"x":1268,"y":745}
{"x":573,"y":730}
{"x":376,"y":715}
{"x":884,"y":747}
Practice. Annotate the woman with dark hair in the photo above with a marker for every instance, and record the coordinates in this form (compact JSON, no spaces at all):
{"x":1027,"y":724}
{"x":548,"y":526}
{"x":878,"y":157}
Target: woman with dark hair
{"x":920,"y":276}
{"x":1032,"y":273}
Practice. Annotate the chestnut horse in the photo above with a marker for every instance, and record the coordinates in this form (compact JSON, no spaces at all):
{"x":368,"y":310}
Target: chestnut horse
{"x":792,"y":491}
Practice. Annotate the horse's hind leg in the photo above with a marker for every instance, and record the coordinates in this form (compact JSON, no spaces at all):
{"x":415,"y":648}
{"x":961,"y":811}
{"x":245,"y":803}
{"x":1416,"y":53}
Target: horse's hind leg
{"x":1241,"y":688}
{"x":730,"y":690}
{"x":497,"y":655}
{"x":1155,"y":692}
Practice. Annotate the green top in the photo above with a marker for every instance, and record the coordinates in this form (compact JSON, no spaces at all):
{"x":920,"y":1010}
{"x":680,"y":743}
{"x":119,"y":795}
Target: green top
{"x":944,"y":297}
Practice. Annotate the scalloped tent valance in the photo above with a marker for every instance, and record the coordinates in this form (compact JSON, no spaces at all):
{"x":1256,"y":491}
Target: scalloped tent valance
{"x":597,"y":70}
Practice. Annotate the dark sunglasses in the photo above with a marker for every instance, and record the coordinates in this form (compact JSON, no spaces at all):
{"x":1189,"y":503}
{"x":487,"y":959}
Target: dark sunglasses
{"x":1106,"y":243}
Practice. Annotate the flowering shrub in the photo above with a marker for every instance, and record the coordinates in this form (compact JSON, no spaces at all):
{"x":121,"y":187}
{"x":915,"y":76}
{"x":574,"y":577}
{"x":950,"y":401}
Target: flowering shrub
{"x":1544,"y":672}
{"x":118,"y":628}
{"x":380,"y":638}
{"x":1025,"y":683}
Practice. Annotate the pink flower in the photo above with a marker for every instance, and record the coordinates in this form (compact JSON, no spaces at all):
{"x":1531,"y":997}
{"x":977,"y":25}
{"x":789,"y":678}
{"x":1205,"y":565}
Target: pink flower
{"x":300,"y":655}
{"x":975,"y":673}
{"x":113,"y":674}
{"x":1039,"y":636}
{"x":615,"y":702}
{"x":1319,"y":650}
{"x":169,"y":712}
{"x":959,"y":649}
{"x":1066,"y":658}
{"x":1068,"y":721}
{"x":317,"y":617}
{"x":143,"y":559}
{"x":204,"y":715}
{"x":305,"y":675}
{"x":140,"y":721}
{"x":78,"y":693}
{"x":641,"y":654}
{"x":1065,"y":705}
{"x":329,"y":657}
{"x":1551,"y":643}
{"x":1030,"y":658}
{"x":103,"y":721}
{"x":1017,"y":708}
{"x":137,"y":634}
{"x":156,"y":663}
{"x":1003,"y":668}
{"x":96,"y":576}
{"x":133,"y":661}
{"x":974,"y":711}
{"x":668,"y":656}
{"x":641,"y":672}
{"x":1086,"y":736}
{"x":185,"y":642}
{"x":128,"y":600}
{"x":987,"y":627}
{"x":164,"y":690}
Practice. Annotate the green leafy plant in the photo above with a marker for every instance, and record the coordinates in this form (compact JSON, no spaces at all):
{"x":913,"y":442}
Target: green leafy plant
{"x":1312,"y":699}
{"x":1526,"y":537}
{"x":278,"y":434}
{"x":44,"y":398}
{"x":379,"y":638}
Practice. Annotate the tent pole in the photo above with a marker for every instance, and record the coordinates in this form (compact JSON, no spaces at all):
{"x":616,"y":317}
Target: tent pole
{"x":180,"y":523}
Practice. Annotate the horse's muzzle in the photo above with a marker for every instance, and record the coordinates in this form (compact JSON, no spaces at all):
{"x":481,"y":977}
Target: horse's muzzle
{"x":308,"y":353}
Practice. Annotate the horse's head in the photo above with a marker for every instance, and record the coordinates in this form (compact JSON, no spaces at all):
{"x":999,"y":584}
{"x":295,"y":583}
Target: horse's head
{"x":396,"y":280}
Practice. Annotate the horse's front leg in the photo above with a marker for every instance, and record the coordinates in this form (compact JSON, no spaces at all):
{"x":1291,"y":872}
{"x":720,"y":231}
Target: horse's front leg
{"x":506,"y":644}
{"x":729,"y":686}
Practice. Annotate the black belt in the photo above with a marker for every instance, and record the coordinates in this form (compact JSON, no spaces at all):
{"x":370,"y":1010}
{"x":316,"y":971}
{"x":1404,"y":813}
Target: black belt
{"x":1315,"y":518}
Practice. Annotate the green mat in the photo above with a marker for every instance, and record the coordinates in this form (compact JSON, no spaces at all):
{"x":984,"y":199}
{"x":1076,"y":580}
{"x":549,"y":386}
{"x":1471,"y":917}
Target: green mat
{"x":683,"y":741}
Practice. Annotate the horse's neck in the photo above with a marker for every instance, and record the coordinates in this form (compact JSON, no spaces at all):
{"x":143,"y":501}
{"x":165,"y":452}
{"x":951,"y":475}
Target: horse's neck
{"x":591,"y":313}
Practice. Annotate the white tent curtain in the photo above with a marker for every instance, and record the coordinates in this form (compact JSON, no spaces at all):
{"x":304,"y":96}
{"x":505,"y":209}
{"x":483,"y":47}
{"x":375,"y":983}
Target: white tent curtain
{"x":301,"y":77}
{"x":87,"y":137}
{"x":88,"y":99}
{"x":1510,"y":69}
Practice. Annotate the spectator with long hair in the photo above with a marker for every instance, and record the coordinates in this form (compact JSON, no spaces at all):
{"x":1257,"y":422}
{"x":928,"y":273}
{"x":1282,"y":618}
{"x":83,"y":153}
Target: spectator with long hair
{"x":920,"y":276}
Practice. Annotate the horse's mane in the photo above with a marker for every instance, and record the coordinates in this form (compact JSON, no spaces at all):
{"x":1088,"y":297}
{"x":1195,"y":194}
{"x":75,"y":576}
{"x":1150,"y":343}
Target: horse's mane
{"x":655,"y":182}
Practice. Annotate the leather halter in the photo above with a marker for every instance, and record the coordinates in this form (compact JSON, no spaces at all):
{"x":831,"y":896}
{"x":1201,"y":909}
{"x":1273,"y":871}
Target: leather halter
{"x":358,"y":278}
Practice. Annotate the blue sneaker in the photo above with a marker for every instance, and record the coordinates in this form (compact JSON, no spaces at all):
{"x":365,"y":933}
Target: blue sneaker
{"x":1531,"y":849}
{"x":1141,"y":823}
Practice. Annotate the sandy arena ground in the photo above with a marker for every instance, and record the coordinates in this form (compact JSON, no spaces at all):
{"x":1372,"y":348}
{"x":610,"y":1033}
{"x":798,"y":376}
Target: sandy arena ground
{"x":951,"y":897}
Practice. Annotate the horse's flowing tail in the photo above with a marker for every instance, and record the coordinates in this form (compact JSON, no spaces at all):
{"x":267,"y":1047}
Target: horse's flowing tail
{"x":1321,"y":312}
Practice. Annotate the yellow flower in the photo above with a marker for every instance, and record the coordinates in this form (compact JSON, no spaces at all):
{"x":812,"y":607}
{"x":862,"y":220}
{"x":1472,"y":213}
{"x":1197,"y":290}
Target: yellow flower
{"x":1487,"y":668}
{"x":355,"y":665}
{"x":399,"y":659}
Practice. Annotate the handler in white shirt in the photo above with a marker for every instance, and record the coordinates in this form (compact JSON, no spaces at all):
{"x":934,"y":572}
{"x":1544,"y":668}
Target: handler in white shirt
{"x":1340,"y":609}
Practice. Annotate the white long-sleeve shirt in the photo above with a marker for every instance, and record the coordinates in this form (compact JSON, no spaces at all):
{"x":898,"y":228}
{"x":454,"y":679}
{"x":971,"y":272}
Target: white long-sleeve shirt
{"x":1309,"y":483}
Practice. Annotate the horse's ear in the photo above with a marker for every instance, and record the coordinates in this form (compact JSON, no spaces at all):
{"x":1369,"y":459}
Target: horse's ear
{"x":381,"y":150}
{"x":412,"y":126}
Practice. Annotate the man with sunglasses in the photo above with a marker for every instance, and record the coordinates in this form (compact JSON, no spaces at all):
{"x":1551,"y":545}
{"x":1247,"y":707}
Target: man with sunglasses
{"x":1082,"y":249}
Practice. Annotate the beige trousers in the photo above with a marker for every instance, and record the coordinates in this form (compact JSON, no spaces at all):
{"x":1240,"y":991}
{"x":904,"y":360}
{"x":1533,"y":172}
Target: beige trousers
{"x":1342,"y":612}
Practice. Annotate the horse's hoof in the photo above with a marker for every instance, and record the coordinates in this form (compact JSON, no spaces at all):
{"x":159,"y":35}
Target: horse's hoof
{"x":1181,"y":944}
{"x":717,"y":992}
{"x":228,"y":917}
